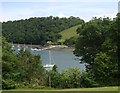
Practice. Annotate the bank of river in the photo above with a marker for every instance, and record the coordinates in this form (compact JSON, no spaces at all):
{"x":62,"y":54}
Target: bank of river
{"x":50,"y":47}
{"x":71,"y":49}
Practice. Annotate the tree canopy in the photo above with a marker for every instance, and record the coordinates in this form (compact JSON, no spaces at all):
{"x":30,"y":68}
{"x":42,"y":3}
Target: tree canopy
{"x":37,"y":30}
{"x":20,"y":70}
{"x":98,"y":45}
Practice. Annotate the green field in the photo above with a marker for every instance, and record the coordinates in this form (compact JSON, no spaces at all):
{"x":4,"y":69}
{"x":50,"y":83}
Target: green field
{"x":76,"y":90}
{"x":66,"y":34}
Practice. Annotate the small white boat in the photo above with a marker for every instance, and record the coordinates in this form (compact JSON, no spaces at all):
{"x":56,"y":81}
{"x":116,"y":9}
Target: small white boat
{"x":35,"y":49}
{"x":49,"y":67}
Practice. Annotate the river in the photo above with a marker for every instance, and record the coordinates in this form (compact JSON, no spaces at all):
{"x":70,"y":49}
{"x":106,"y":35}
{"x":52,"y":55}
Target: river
{"x":63,"y":59}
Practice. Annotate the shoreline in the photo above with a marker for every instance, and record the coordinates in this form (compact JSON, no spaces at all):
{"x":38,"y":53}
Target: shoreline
{"x":50,"y":47}
{"x":70,"y":49}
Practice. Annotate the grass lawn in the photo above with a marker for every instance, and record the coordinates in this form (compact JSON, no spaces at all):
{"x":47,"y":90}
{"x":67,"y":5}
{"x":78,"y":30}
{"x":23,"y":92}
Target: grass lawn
{"x":74,"y":90}
{"x":66,"y":34}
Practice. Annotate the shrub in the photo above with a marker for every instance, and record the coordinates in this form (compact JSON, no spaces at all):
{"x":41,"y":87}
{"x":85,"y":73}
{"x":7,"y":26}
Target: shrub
{"x":8,"y":84}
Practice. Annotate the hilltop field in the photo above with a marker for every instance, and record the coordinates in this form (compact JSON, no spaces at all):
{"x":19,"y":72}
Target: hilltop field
{"x":68,"y":33}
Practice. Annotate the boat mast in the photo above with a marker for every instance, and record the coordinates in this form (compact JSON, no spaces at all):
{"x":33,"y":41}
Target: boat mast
{"x":50,"y":56}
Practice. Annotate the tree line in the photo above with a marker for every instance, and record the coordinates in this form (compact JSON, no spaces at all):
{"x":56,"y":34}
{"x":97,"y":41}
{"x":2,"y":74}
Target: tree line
{"x":97,"y":45}
{"x":37,"y":30}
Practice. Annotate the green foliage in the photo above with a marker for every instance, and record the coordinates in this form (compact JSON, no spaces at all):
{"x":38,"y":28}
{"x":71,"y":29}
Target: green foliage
{"x":71,"y":41}
{"x":8,"y":84}
{"x":30,"y":63}
{"x":105,"y":69}
{"x":91,"y":36}
{"x":21,"y":70}
{"x":37,"y":30}
{"x":53,"y":78}
{"x":54,"y":68}
{"x":9,"y":66}
{"x":70,"y":78}
{"x":87,"y":80}
{"x":97,"y":45}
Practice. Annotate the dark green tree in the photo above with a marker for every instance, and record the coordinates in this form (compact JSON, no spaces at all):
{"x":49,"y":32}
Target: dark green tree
{"x":70,"y":78}
{"x":9,"y":66}
{"x":97,"y":45}
{"x":21,"y":70}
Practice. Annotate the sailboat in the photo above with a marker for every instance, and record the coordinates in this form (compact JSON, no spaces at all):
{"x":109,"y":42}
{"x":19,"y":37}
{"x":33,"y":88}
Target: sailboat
{"x":49,"y":66}
{"x":18,"y":46}
{"x":35,"y":49}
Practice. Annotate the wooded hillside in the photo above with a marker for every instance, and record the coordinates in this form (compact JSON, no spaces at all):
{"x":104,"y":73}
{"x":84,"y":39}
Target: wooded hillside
{"x":37,"y":30}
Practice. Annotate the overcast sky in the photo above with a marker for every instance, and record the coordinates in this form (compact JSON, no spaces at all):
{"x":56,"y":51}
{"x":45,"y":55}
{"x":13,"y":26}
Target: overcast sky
{"x":85,"y":9}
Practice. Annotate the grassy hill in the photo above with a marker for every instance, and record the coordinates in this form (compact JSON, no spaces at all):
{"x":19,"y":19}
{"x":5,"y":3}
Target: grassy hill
{"x":68,"y":33}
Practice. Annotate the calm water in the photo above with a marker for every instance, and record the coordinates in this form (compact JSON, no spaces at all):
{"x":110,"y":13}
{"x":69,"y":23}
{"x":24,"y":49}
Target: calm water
{"x":63,"y":59}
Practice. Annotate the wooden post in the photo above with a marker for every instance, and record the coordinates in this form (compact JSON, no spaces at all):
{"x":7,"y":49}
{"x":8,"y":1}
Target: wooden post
{"x":49,"y":81}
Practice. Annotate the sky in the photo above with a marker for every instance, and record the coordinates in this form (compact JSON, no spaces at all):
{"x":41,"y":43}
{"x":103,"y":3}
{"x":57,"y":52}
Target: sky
{"x":85,"y":9}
